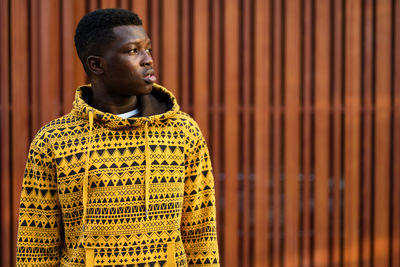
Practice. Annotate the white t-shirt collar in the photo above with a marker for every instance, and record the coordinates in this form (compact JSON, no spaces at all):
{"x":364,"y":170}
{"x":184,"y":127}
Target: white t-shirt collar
{"x":129,"y":113}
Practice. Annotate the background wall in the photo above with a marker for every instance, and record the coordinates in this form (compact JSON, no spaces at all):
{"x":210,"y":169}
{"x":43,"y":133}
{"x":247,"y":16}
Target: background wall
{"x":299,"y":101}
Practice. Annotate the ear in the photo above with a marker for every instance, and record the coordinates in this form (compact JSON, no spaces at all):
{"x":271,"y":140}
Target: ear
{"x":95,"y":64}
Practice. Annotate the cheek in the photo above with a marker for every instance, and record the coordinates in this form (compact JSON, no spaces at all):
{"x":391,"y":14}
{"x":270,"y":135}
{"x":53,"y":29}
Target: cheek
{"x":122,"y":64}
{"x":131,"y":69}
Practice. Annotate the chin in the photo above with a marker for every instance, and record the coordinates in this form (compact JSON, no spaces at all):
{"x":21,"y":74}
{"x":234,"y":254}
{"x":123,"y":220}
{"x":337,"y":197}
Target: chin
{"x":145,"y":90}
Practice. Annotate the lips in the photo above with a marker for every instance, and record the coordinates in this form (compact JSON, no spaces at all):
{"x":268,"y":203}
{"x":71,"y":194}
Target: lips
{"x":149,"y":76}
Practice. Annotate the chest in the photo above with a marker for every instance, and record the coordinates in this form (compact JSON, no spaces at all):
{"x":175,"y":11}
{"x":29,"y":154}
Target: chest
{"x":116,"y":166}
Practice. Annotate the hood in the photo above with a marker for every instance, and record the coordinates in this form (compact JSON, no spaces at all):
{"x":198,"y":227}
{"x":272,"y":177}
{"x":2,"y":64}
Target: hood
{"x":159,"y":104}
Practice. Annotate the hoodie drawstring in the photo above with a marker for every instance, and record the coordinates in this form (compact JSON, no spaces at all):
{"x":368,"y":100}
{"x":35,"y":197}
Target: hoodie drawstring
{"x":89,"y":252}
{"x":147,"y":172}
{"x":86,"y":178}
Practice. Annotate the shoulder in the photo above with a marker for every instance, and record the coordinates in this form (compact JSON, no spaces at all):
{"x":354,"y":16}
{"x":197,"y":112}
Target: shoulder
{"x":55,"y":129}
{"x":187,"y":120}
{"x":193,"y":135}
{"x":189,"y":123}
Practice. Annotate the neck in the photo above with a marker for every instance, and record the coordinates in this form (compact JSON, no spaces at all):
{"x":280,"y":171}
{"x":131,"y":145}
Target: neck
{"x":111,"y":103}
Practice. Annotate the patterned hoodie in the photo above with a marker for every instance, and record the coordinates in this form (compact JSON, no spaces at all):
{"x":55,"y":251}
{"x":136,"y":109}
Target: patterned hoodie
{"x":100,"y":190}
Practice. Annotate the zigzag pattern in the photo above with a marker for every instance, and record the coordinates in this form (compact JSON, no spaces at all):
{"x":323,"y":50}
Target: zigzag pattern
{"x":180,"y":229}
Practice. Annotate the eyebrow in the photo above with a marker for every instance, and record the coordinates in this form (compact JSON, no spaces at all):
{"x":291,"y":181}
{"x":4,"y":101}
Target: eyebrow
{"x":148,"y":41}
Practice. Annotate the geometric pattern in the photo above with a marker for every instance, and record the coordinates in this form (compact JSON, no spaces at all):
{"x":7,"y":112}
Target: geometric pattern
{"x":180,"y":227}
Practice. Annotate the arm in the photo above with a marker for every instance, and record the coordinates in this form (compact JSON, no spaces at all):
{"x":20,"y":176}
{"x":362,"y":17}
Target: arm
{"x":198,"y":225}
{"x":39,"y":229}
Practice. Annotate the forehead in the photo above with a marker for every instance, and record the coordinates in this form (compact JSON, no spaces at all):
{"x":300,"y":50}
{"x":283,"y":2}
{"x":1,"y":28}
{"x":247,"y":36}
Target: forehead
{"x":129,"y":33}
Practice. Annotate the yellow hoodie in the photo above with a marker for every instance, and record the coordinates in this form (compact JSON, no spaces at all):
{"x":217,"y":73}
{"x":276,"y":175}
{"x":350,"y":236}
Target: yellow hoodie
{"x":100,"y":190}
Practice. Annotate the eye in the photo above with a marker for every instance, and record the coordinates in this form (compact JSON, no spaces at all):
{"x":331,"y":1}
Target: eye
{"x":133,"y":51}
{"x":148,"y":50}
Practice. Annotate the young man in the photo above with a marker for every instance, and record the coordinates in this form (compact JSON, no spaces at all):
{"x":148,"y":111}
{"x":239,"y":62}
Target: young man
{"x":125,"y":178}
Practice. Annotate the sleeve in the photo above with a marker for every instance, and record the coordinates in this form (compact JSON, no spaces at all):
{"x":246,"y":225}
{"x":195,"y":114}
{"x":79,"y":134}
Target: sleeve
{"x":198,"y":225}
{"x":39,"y":228}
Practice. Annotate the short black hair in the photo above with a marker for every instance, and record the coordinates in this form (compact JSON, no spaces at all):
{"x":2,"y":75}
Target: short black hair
{"x":95,"y":28}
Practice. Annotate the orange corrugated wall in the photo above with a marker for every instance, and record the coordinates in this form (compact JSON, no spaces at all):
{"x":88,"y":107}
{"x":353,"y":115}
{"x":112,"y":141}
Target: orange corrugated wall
{"x":299,"y":101}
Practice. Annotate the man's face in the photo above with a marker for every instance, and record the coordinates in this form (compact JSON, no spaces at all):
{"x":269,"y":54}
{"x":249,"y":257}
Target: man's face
{"x":128,"y":65}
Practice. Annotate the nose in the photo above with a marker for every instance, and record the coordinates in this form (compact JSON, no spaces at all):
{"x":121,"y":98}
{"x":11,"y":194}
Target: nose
{"x":146,"y":59}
